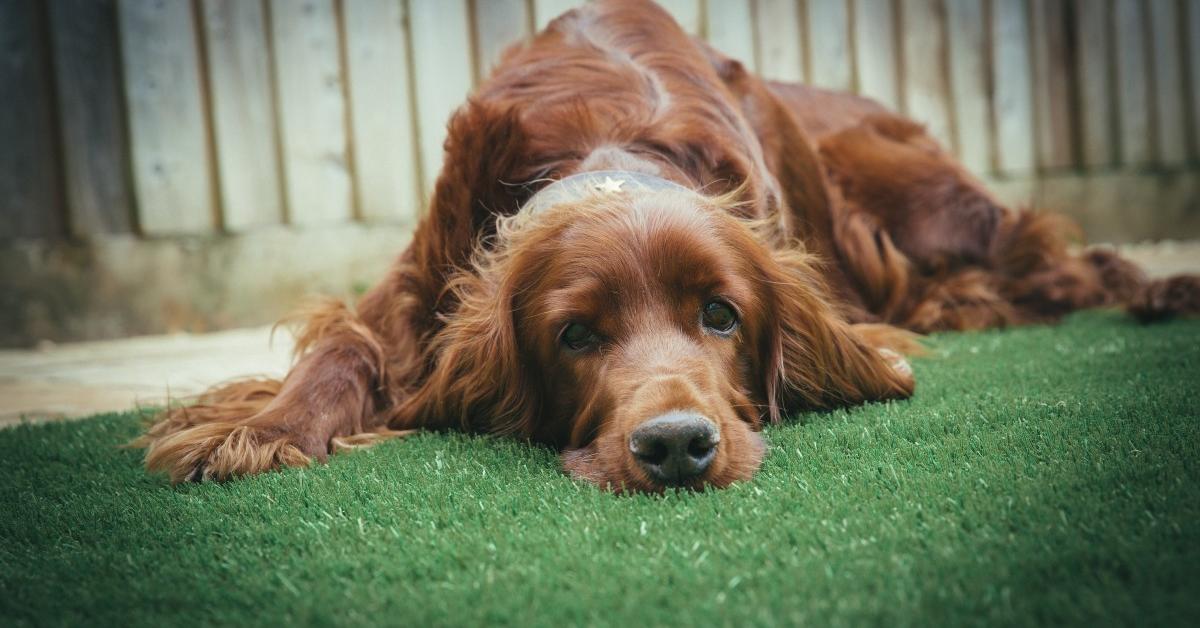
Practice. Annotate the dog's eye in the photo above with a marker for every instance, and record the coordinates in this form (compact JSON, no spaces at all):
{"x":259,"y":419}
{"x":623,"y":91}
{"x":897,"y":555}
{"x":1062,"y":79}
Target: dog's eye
{"x":719,"y":317}
{"x":578,"y":337}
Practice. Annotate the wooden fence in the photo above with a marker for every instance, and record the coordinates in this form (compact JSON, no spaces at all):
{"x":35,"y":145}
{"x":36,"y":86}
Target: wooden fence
{"x":184,"y":117}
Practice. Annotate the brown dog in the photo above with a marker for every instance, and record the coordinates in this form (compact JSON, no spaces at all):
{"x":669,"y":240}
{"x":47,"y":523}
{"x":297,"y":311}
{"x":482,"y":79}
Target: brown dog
{"x":637,"y":252}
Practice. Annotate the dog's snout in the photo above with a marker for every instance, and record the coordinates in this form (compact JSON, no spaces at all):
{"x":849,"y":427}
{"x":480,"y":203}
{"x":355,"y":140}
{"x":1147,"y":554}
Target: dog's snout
{"x":675,"y":447}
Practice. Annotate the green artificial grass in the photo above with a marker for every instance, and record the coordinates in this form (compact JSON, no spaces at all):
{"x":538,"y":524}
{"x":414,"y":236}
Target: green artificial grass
{"x":1045,"y":474}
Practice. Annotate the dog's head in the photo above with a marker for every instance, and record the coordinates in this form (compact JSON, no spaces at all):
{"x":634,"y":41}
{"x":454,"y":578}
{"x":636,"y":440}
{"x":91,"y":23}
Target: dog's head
{"x":647,"y":336}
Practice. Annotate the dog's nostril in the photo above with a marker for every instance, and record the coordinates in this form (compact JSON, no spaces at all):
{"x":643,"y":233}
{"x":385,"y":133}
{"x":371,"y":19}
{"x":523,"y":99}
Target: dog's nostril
{"x":700,"y":446}
{"x":652,"y":453}
{"x":675,"y":447}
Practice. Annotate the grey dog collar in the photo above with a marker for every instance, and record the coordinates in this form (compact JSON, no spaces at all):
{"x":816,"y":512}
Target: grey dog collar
{"x":596,"y":183}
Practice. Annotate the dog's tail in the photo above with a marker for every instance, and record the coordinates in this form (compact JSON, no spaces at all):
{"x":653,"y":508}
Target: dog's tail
{"x":1045,"y":279}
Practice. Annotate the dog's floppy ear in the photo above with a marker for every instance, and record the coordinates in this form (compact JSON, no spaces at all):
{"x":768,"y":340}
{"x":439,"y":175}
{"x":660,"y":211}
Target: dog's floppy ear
{"x":812,"y":357}
{"x":486,"y":152}
{"x":476,"y":380}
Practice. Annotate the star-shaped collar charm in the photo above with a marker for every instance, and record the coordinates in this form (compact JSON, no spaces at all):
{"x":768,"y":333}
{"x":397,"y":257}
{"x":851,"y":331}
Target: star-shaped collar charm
{"x":609,"y":185}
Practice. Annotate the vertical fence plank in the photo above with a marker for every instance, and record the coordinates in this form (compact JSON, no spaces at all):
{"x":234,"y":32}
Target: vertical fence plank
{"x":926,"y":87}
{"x":687,"y":13}
{"x":546,"y":10}
{"x":1053,"y":114}
{"x":969,"y":83}
{"x":91,"y":117}
{"x":312,"y":111}
{"x":30,"y":198}
{"x":1095,"y":84}
{"x":1133,"y":88}
{"x":1013,"y":104}
{"x":498,"y":25}
{"x":875,"y":51}
{"x":442,"y":67}
{"x":1169,"y":98}
{"x":730,"y":29}
{"x":780,"y":53}
{"x":168,"y":130}
{"x":829,"y":44}
{"x":385,"y":154}
{"x":1192,"y":50}
{"x":243,"y":113}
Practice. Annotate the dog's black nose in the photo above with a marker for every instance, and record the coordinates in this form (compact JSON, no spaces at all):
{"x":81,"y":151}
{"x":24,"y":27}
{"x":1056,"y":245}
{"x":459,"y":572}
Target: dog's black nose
{"x":675,"y":447}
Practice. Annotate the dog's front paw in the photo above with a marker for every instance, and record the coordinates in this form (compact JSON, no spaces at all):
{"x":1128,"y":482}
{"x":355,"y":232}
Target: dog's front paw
{"x":220,"y":451}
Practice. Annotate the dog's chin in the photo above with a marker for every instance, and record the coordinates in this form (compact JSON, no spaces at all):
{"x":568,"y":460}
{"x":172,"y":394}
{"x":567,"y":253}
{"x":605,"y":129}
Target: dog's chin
{"x":620,"y":476}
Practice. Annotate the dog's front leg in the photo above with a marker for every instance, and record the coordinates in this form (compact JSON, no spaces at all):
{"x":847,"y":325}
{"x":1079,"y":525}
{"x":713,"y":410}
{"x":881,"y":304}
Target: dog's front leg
{"x":328,"y":401}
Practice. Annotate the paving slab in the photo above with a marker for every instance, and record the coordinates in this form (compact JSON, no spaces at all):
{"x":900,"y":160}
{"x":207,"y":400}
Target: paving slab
{"x":1166,"y":258}
{"x":78,"y":379}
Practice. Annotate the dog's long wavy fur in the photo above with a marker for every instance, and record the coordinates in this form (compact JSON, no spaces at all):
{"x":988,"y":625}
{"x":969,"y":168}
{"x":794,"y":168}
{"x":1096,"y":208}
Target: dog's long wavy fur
{"x":865,"y":230}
